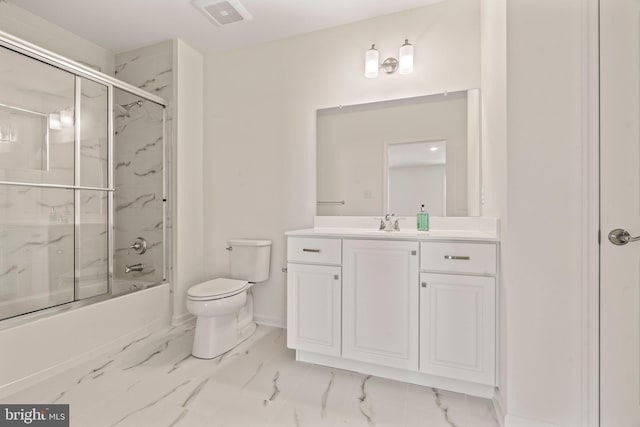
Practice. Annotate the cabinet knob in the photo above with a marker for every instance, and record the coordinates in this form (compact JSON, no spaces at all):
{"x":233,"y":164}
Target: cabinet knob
{"x":336,"y":277}
{"x":424,"y":284}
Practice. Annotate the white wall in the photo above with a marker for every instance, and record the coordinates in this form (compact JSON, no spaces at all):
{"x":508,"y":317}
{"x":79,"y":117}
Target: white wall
{"x":494,"y":155}
{"x":260,"y":108}
{"x":188,"y":162}
{"x":32,"y":28}
{"x":544,"y":243}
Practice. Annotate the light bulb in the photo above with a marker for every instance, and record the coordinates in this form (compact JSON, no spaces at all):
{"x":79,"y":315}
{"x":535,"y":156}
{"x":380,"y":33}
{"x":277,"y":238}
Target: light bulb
{"x":66,"y":118}
{"x":406,"y":58}
{"x":371,"y":63}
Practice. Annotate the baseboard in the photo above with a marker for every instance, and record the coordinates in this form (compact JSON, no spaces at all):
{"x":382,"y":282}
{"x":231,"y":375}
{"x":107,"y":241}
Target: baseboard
{"x":274,"y":321}
{"x":181,"y":319}
{"x":514,"y":421}
{"x":498,"y":408}
{"x":26,"y":382}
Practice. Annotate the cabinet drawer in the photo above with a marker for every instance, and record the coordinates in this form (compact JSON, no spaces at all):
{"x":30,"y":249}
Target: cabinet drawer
{"x":474,"y":258}
{"x":314,"y":250}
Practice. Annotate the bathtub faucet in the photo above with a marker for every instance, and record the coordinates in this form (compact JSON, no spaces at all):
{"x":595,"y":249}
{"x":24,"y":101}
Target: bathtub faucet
{"x":134,"y":267}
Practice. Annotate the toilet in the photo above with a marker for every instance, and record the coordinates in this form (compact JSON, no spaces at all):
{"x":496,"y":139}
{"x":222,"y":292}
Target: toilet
{"x":224,"y":306}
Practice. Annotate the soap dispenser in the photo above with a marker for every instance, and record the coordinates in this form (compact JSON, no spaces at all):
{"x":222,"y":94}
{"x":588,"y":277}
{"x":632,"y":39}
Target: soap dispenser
{"x":422,"y":220}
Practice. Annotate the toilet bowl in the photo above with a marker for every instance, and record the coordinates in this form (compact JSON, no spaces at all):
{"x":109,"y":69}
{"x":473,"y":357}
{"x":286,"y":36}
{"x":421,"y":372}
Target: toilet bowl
{"x":224,"y":306}
{"x":216,"y":303}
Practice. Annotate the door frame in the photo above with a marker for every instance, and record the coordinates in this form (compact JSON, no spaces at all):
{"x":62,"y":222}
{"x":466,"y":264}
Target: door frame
{"x":590,"y":221}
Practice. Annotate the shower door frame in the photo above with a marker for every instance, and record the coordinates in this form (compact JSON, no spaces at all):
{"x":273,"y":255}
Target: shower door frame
{"x":80,"y":71}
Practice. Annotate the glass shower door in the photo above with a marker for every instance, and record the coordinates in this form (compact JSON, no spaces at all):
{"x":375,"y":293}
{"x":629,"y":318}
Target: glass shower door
{"x":53,"y":186}
{"x":92,"y":205}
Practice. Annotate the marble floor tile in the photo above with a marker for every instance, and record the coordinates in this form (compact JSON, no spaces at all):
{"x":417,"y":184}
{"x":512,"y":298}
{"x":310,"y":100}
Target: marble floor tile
{"x":154,"y":381}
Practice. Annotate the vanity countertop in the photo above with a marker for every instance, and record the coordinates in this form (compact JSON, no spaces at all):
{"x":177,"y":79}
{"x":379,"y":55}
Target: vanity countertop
{"x":409,"y":234}
{"x":364,"y":227}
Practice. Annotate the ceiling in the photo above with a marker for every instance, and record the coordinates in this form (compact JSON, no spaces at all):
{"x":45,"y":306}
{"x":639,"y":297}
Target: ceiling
{"x":122,"y":25}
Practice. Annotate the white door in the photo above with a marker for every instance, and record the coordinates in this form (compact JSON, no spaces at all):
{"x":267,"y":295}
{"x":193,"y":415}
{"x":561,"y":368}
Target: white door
{"x":313,"y":308}
{"x":457,"y":326}
{"x":620,"y":209}
{"x":380,"y":302}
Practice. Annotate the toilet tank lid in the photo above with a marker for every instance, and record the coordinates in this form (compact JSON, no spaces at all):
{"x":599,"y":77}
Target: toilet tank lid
{"x":247,"y":242}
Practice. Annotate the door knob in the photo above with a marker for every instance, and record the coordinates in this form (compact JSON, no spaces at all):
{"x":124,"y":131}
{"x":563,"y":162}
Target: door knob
{"x":621,"y":237}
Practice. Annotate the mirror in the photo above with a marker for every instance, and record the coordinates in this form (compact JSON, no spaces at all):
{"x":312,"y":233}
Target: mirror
{"x":393,"y":156}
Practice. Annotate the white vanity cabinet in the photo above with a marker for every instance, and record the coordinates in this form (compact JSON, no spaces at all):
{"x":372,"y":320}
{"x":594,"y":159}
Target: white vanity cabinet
{"x":457,"y":310}
{"x":380,"y":302}
{"x":413,"y":307}
{"x":314,"y":295}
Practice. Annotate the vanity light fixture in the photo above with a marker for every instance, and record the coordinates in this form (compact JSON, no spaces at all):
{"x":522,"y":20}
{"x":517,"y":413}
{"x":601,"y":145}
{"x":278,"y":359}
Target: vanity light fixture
{"x":371,"y":61}
{"x":66,"y":118}
{"x":406,"y":58}
{"x":7,"y":130}
{"x":54,"y":121}
{"x":61,"y":119}
{"x":389,"y":65}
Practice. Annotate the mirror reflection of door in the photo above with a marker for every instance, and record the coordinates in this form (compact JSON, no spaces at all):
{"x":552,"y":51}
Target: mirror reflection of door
{"x":416,"y":171}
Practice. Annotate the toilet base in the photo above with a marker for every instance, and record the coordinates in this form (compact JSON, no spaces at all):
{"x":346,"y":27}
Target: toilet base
{"x":219,"y":334}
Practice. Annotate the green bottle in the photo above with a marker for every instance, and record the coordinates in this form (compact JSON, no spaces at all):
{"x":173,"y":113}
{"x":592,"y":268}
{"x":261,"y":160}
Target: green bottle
{"x":423,"y":220}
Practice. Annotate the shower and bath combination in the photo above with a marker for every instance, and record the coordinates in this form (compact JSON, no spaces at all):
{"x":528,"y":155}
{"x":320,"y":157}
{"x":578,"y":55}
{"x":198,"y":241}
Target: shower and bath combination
{"x":74,"y":199}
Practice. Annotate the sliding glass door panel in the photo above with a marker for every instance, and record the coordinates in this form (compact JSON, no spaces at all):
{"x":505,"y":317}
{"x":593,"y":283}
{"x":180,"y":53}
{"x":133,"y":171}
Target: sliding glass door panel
{"x":37,"y":133}
{"x":92,"y":250}
{"x":36,"y":249}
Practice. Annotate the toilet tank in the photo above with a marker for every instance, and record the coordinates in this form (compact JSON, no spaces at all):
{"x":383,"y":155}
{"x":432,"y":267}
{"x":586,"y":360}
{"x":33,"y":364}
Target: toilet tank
{"x":250,"y":259}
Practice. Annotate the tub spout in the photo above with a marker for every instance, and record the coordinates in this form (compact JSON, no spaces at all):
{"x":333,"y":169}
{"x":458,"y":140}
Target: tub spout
{"x":134,"y":267}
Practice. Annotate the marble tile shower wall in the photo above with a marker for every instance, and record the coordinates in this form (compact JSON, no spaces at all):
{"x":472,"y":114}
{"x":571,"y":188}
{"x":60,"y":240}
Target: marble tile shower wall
{"x":138,"y":159}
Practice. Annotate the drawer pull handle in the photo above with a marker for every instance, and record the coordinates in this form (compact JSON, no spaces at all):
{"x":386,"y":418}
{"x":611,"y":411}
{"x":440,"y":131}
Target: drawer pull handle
{"x":315,"y":251}
{"x":463,"y":258}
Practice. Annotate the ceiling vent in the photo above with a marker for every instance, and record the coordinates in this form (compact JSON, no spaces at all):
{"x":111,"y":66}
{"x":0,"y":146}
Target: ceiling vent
{"x":223,"y":12}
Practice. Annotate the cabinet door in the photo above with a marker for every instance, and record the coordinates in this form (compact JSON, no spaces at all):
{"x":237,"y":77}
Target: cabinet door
{"x":380,"y":302}
{"x":457,"y":326}
{"x":313,"y":307}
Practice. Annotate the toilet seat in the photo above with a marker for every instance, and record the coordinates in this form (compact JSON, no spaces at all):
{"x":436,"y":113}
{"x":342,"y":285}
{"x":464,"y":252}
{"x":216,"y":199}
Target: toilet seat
{"x":217,"y":289}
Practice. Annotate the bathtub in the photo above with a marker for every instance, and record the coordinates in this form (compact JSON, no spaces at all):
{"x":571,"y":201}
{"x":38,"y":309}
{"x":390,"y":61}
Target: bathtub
{"x":47,"y":344}
{"x":63,"y":293}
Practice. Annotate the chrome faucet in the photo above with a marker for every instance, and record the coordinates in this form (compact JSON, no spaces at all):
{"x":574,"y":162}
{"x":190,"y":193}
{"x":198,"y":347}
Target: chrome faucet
{"x":389,"y":223}
{"x":134,"y":267}
{"x":139,"y":245}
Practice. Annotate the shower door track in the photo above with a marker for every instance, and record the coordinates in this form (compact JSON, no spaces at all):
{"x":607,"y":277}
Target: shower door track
{"x":58,"y":61}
